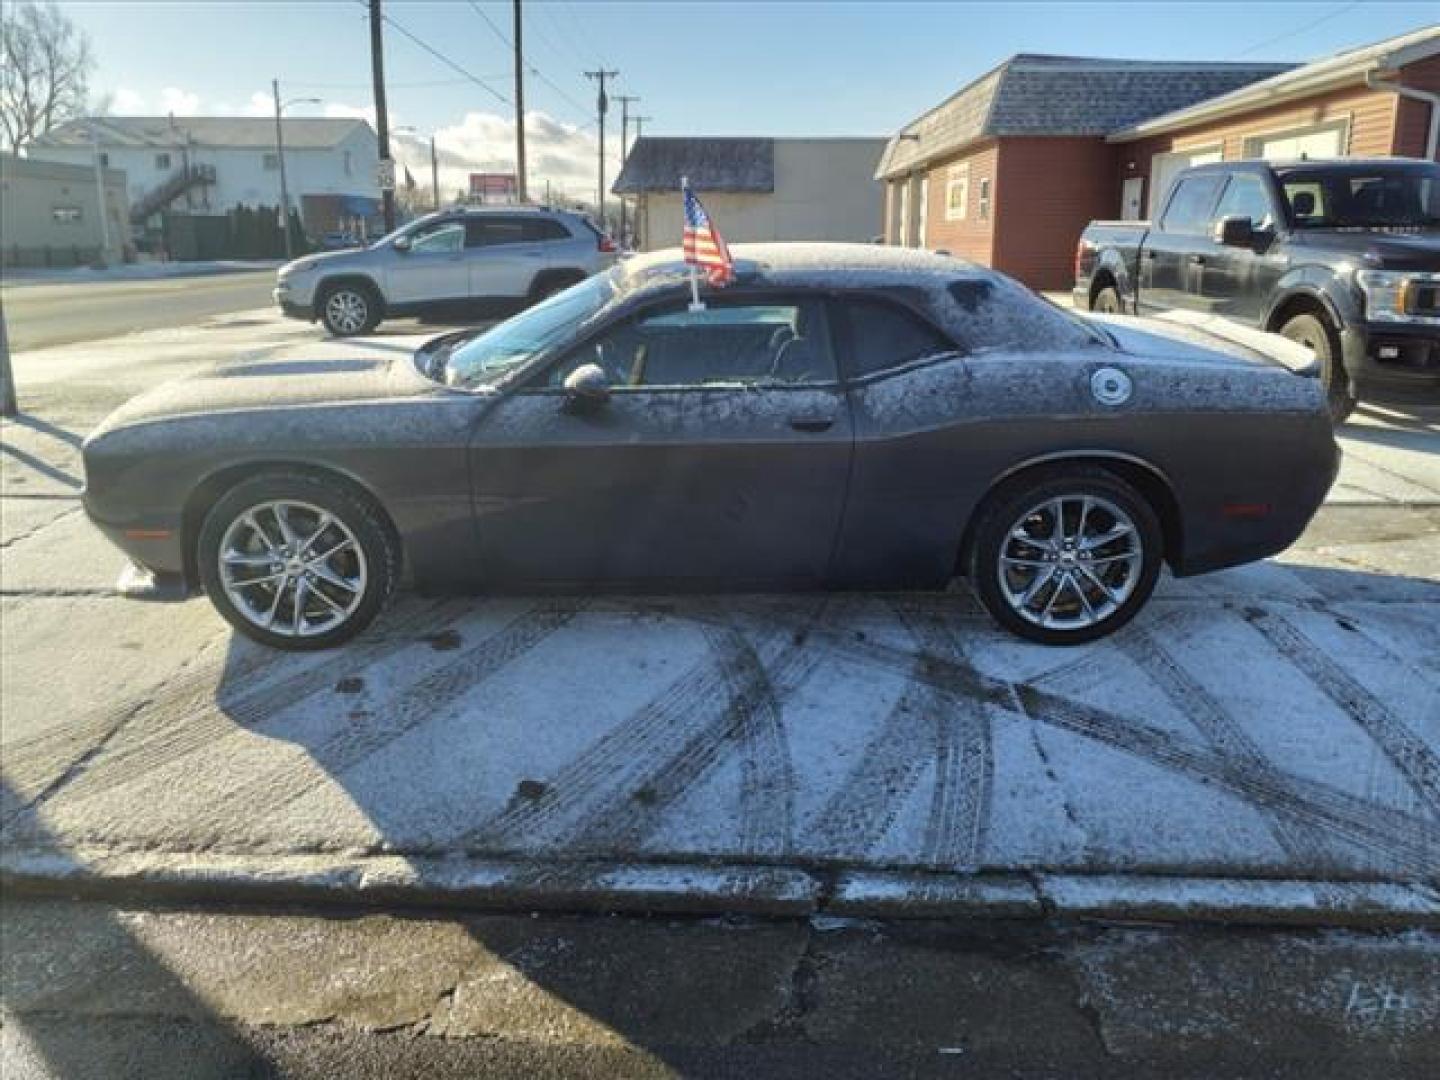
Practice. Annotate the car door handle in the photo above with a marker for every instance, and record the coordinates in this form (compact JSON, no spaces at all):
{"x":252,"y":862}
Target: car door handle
{"x":812,"y":423}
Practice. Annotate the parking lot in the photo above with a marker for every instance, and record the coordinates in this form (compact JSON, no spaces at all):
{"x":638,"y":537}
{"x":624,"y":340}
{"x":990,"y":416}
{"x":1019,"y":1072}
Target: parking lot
{"x":1262,"y":740}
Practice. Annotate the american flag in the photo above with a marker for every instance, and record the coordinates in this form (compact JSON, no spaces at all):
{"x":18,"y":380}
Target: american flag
{"x":704,"y":246}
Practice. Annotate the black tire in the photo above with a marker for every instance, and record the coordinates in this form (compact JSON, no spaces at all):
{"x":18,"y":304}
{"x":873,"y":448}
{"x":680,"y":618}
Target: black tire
{"x":347,"y":296}
{"x":355,"y":512}
{"x":1107,"y":301}
{"x":1006,"y":508}
{"x":547,"y":285}
{"x":1316,"y":334}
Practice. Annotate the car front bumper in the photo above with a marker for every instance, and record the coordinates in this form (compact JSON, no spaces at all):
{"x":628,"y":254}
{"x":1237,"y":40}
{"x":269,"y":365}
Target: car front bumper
{"x":291,"y":304}
{"x":1394,"y":354}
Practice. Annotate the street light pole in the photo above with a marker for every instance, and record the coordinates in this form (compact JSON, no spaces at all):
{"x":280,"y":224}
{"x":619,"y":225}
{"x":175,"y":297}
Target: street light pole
{"x":280,"y":155}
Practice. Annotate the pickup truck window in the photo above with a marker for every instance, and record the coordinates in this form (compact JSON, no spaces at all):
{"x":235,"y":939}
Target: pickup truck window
{"x":1189,"y":207}
{"x":1246,"y":196}
{"x":1364,"y":198}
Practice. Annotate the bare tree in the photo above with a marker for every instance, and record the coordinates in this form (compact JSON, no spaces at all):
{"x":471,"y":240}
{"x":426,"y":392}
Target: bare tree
{"x":45,"y":65}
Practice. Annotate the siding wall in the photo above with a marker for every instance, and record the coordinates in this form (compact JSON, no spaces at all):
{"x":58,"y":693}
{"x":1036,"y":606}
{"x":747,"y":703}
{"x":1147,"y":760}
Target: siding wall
{"x":1412,"y":118}
{"x":1048,"y":190}
{"x":973,"y":237}
{"x":1371,"y":116}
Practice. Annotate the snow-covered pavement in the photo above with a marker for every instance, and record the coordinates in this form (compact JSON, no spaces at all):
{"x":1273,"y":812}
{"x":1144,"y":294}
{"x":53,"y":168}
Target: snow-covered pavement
{"x":1266,"y":738}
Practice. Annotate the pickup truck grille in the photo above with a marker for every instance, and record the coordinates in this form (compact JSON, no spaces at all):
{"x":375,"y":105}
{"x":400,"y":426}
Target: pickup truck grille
{"x":1424,"y":299}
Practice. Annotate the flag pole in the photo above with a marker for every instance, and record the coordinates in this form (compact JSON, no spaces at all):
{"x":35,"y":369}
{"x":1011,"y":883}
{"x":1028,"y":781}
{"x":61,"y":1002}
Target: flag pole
{"x":695,"y":302}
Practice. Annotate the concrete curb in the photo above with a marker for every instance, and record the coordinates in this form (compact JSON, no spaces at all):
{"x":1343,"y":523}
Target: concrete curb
{"x":394,"y":881}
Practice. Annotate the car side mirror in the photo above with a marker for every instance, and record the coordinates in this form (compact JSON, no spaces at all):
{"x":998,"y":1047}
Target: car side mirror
{"x":1235,"y":231}
{"x":401,"y":244}
{"x":587,"y":386}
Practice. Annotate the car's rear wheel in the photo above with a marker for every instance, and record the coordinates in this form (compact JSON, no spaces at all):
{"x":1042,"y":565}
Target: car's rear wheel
{"x":1316,"y":335}
{"x":295,"y":562}
{"x":1066,"y":556}
{"x":1107,"y":301}
{"x":347,"y":310}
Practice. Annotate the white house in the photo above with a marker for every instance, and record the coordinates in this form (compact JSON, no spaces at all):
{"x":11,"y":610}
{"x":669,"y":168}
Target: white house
{"x":207,"y":165}
{"x":756,"y":189}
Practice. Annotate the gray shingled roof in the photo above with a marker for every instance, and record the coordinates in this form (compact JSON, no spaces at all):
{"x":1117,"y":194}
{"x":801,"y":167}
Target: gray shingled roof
{"x":219,"y":132}
{"x":1062,"y":95}
{"x":657,"y":164}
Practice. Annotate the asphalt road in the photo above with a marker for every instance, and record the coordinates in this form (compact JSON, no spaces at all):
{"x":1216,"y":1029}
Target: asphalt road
{"x":38,"y":316}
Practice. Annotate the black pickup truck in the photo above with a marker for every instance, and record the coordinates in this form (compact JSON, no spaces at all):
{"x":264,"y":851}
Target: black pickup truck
{"x":1342,"y":256}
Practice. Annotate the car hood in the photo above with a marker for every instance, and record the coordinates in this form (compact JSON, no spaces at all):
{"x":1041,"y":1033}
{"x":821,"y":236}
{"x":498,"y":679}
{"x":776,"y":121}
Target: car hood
{"x":323,"y":259}
{"x":1205,"y":339}
{"x":1377,"y":249}
{"x":272,"y":385}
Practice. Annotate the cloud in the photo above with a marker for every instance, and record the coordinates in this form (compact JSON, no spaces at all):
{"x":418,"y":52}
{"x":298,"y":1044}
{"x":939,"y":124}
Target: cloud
{"x":179,"y":102}
{"x":485,"y":142}
{"x":127,"y":101}
{"x":337,"y":110}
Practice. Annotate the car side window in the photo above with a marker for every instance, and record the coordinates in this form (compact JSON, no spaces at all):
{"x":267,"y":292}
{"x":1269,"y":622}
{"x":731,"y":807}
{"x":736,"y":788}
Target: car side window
{"x":1246,"y":196}
{"x":1308,"y":201}
{"x":1189,"y":208}
{"x":491,"y":231}
{"x":764,"y":343}
{"x":441,"y":237}
{"x":543,"y":230}
{"x":885,"y":336}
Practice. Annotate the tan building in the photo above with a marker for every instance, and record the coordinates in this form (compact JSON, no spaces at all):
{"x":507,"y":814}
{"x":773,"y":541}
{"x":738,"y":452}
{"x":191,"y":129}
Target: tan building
{"x":756,"y":189}
{"x":1009,"y":170}
{"x":50,"y":213}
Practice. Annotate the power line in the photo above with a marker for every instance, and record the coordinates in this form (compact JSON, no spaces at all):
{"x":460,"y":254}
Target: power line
{"x":447,"y":61}
{"x":531,"y":68}
{"x":1299,"y":29}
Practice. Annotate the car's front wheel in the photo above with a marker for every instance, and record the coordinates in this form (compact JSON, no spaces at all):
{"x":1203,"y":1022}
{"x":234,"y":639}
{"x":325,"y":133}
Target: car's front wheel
{"x":347,"y":310}
{"x":295,"y":562}
{"x":1066,"y":556}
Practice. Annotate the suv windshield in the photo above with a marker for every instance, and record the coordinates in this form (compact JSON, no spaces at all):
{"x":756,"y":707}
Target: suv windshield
{"x":1371,"y":198}
{"x":482,"y":360}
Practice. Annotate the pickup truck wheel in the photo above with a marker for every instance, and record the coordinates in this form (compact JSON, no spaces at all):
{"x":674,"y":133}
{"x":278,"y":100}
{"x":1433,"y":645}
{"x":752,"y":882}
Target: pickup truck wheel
{"x":1107,"y":301}
{"x":347,"y":310}
{"x":1065,"y":556}
{"x":1315,"y":334}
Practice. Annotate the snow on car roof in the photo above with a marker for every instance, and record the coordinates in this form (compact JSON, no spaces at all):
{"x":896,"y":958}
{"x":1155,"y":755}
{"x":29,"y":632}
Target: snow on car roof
{"x":812,"y":262}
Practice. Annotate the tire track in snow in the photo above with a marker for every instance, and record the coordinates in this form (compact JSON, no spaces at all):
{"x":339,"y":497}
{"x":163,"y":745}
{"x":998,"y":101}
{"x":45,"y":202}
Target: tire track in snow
{"x":1299,"y":838}
{"x":1415,"y":760}
{"x":420,"y":702}
{"x":185,"y":718}
{"x":617,"y":791}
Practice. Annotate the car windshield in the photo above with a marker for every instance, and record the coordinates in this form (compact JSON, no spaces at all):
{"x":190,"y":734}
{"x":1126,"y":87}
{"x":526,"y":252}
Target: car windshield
{"x":1378,"y":198}
{"x":483,"y":360}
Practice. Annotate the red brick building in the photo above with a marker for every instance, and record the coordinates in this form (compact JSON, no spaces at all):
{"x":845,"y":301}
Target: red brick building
{"x":1008,"y":171}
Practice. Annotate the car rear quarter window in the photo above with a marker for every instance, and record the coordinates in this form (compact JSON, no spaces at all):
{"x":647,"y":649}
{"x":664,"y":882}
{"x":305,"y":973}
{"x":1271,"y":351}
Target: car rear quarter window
{"x":884,"y":336}
{"x":490,"y":231}
{"x":544,"y":229}
{"x":1189,"y":208}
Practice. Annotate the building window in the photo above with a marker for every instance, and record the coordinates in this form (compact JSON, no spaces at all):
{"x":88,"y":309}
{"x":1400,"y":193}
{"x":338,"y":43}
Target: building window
{"x":271,"y":162}
{"x":957,"y":193}
{"x":982,"y":209}
{"x":65,"y":213}
{"x":104,"y":160}
{"x":162,"y":161}
{"x":347,"y":162}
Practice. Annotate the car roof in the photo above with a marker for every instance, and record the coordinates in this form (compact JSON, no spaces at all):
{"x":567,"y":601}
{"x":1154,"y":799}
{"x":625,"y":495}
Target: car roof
{"x":1311,"y":164}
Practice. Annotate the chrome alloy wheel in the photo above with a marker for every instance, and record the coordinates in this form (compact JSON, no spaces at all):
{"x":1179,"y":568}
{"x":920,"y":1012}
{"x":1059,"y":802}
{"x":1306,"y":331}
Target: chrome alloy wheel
{"x":1070,"y":562}
{"x":346,"y":311}
{"x":292,"y":568}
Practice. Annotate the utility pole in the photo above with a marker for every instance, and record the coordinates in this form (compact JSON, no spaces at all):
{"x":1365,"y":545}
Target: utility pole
{"x":625,"y":100}
{"x":8,"y":405}
{"x":284,"y":191}
{"x":642,"y":202}
{"x":519,"y":110}
{"x":434,"y":173}
{"x":602,"y":103}
{"x":100,"y":196}
{"x":382,"y":116}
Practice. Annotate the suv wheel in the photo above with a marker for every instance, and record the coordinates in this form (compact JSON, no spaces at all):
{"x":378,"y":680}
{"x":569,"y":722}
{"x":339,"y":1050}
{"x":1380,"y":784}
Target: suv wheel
{"x":296,"y":563}
{"x":1315,"y":334}
{"x":349,"y":309}
{"x":1066,"y":556}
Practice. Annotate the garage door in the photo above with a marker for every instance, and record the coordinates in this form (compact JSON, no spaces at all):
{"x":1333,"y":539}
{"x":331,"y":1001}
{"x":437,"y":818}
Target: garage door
{"x":1165,"y":167}
{"x":1317,"y":142}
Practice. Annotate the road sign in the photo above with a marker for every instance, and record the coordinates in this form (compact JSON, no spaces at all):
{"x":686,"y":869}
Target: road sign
{"x":385,"y":174}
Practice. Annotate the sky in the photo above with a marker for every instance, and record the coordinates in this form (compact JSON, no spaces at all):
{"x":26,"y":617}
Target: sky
{"x":743,"y":67}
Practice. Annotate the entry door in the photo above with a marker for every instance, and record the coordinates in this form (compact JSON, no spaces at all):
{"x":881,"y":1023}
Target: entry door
{"x":434,"y":266}
{"x":721,"y":455}
{"x":1132,"y":206}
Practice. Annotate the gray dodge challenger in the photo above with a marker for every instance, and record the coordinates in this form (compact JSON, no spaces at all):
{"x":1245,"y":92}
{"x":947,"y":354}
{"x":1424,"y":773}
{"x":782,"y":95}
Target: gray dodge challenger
{"x":840,"y":416}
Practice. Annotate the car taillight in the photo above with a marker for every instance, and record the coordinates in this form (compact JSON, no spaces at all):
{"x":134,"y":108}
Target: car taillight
{"x":607,"y":245}
{"x":1081,"y":250}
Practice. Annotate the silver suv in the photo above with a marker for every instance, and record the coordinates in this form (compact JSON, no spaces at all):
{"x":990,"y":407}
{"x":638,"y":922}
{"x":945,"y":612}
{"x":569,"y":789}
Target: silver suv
{"x":446,"y":260}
